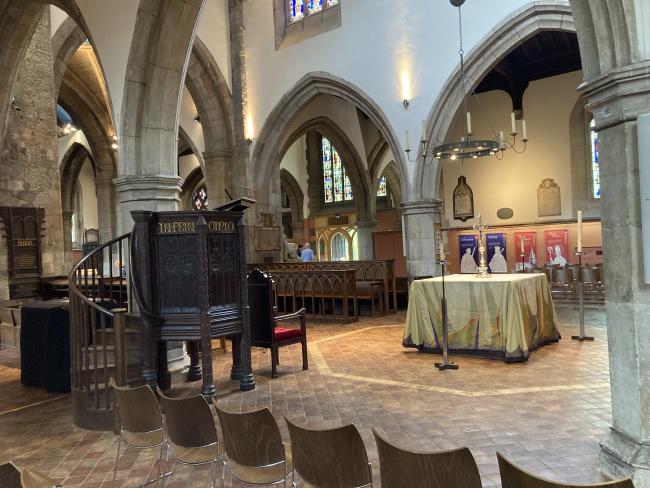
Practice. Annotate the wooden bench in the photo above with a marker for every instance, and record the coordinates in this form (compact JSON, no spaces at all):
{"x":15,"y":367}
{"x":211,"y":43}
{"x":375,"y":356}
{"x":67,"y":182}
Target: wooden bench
{"x":327,"y":295}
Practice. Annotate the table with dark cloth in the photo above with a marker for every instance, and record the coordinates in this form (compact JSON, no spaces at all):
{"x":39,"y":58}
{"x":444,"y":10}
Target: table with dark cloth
{"x":45,"y":345}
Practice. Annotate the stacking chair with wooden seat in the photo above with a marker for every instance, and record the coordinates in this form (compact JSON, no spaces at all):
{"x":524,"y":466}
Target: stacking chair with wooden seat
{"x":264,"y":330}
{"x":191,"y":432}
{"x":515,"y":477}
{"x":253,"y":450}
{"x":329,"y":458}
{"x":141,"y":422}
{"x":451,"y":469}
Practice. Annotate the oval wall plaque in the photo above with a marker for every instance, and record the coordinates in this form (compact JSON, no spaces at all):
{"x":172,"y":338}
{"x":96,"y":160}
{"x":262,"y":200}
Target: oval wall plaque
{"x":505,"y":213}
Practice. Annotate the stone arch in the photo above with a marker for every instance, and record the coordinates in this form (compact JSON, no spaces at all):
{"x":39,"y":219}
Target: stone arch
{"x":365,"y":206}
{"x":192,"y":183}
{"x":295,"y":195}
{"x":187,"y":140}
{"x":267,"y":154}
{"x":392,"y":178}
{"x":510,"y":33}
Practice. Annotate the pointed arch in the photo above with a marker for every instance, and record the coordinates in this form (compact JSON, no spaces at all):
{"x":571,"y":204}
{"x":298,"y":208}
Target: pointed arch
{"x":295,"y":195}
{"x":515,"y":29}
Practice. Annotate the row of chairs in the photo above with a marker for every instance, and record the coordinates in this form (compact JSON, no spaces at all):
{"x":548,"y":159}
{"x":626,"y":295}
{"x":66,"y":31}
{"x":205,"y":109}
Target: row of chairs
{"x":254,"y":453}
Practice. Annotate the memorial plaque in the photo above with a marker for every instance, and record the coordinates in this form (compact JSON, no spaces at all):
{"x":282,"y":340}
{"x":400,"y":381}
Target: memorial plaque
{"x":23,"y":232}
{"x":268,"y":235}
{"x":548,"y":198}
{"x":463,"y":201}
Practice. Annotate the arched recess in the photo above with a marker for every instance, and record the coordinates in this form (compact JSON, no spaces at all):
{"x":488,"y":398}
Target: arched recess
{"x":392,"y":178}
{"x":365,"y":206}
{"x":510,"y":33}
{"x":268,"y":148}
{"x":192,"y":183}
{"x":18,"y":20}
{"x":65,"y":42}
{"x":291,"y":187}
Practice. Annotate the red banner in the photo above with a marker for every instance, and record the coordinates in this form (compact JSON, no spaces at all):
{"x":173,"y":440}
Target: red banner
{"x":556,"y":246}
{"x":529,"y":241}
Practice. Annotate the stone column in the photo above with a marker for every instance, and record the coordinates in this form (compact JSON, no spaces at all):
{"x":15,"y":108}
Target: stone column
{"x":218,"y":166}
{"x":67,"y":238}
{"x":616,"y":100}
{"x":106,"y":207}
{"x":418,"y":235}
{"x":365,"y":240}
{"x":315,"y":190}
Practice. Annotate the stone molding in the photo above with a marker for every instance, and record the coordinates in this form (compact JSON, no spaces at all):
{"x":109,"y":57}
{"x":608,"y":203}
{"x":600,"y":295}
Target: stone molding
{"x":623,"y":456}
{"x":421,"y":207}
{"x":509,"y":33}
{"x":131,"y":188}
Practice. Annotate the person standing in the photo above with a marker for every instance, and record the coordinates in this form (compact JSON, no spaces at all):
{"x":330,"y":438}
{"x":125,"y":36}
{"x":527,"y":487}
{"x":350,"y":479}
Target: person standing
{"x":307,"y":253}
{"x":299,"y":250}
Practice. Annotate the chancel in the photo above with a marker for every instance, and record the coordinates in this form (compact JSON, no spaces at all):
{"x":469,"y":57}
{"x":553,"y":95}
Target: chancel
{"x":327,"y":242}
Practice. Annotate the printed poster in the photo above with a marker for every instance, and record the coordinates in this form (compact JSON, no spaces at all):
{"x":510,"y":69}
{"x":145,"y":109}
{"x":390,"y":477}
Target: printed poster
{"x":468,"y":253}
{"x":530,"y":245}
{"x":496,"y":253}
{"x":556,"y":245}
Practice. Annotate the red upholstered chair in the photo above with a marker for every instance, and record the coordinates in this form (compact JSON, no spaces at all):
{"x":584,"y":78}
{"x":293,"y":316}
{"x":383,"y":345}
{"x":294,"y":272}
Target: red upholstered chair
{"x":264,"y":330}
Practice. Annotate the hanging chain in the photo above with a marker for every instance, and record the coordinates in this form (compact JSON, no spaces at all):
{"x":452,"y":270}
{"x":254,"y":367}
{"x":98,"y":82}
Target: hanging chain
{"x":462,"y":67}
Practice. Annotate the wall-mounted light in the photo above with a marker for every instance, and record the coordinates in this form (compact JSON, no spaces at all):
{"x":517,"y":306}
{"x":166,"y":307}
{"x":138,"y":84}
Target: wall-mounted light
{"x":114,"y":146}
{"x":248,"y":131}
{"x":406,"y":88}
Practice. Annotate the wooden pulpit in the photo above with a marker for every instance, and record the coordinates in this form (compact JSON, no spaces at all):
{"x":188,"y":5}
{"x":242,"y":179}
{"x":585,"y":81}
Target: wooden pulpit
{"x":189,"y":280}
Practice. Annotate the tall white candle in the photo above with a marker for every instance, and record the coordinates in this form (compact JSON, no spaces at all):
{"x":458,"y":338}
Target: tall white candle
{"x":523,"y":129}
{"x":407,"y":141}
{"x":501,"y":135}
{"x":579,"y":230}
{"x":469,"y":123}
{"x":512,"y":122}
{"x":522,"y":245}
{"x":441,"y":251}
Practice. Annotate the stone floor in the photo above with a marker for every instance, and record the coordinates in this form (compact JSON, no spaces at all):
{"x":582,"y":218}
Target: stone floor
{"x":547,"y":414}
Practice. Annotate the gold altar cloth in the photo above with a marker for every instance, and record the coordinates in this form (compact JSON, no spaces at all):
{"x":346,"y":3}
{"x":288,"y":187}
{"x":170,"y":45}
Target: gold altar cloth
{"x":505,"y":316}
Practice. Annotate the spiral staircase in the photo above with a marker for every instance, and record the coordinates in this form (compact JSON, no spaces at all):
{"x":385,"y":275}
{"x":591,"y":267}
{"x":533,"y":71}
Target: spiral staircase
{"x":104,"y":334}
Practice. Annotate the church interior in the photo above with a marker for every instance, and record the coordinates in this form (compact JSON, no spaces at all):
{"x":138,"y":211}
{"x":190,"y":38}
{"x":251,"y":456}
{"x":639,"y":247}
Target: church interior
{"x":332,"y":243}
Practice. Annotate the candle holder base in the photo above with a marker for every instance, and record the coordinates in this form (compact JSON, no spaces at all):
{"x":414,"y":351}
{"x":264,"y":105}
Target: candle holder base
{"x":443,"y":366}
{"x":581,"y":338}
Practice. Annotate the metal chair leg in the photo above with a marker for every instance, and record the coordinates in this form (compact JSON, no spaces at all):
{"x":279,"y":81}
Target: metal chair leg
{"x":171,"y":470}
{"x":119,"y":444}
{"x":223,"y":473}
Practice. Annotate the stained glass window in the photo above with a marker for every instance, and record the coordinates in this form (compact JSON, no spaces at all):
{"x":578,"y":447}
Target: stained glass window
{"x":299,"y":9}
{"x":336,"y":184}
{"x":382,"y":191}
{"x":200,"y":199}
{"x":595,"y":162}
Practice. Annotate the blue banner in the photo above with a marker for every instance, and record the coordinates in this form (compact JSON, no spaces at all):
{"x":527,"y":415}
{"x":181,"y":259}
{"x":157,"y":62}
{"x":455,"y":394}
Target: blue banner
{"x":496,"y":253}
{"x":468,"y":253}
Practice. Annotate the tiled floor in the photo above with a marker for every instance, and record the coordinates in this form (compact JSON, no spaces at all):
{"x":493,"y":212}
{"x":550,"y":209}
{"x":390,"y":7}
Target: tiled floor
{"x":547,"y":415}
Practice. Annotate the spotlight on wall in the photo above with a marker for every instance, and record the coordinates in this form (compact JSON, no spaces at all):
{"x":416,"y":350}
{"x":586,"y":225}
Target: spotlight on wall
{"x":406,"y":104}
{"x":197,"y":119}
{"x":114,"y":146}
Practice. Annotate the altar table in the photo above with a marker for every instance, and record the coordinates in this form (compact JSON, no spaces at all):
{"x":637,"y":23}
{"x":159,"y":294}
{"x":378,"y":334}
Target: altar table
{"x":505,"y":316}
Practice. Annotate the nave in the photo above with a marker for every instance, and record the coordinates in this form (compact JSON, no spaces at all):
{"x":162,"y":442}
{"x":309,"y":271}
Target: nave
{"x":548,"y":415}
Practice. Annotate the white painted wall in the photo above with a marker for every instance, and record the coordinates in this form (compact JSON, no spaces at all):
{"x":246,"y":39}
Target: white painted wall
{"x":88,"y":195}
{"x":379,"y":41}
{"x":295,"y":162}
{"x":214,"y":31}
{"x":57,"y":17}
{"x":512,"y":182}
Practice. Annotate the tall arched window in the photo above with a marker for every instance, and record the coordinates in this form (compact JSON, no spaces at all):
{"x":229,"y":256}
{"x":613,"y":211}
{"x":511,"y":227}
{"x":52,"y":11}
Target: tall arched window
{"x":298,"y":9}
{"x":595,"y":162}
{"x":200,"y":199}
{"x":382,"y":190}
{"x":336,"y":184}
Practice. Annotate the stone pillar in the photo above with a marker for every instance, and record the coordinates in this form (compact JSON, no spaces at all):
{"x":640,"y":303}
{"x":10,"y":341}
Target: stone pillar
{"x":365,"y":240}
{"x":106,"y":208}
{"x":145,"y":192}
{"x":218,"y":166}
{"x":67,"y":238}
{"x":418,"y":236}
{"x":315,"y":190}
{"x":616,"y":100}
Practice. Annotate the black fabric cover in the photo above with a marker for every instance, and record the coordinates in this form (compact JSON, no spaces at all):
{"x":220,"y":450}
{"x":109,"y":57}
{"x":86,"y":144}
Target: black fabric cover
{"x":45,"y":346}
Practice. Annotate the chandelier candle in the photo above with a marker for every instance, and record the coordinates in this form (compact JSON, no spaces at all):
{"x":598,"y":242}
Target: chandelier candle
{"x":512,"y":123}
{"x":469,"y":123}
{"x":579,"y":231}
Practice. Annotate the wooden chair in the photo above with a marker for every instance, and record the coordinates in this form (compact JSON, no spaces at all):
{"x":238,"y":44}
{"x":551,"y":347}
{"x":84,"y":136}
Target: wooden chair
{"x":254,"y":452}
{"x":446,"y":469}
{"x":191,"y":432}
{"x":141,"y":422}
{"x":264,"y":330}
{"x":329,"y":458}
{"x":515,"y":477}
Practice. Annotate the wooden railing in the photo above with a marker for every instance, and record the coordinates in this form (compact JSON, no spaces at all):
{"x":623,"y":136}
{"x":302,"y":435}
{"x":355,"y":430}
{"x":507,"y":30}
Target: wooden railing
{"x":366,"y":271}
{"x":99,"y":302}
{"x":327,"y":295}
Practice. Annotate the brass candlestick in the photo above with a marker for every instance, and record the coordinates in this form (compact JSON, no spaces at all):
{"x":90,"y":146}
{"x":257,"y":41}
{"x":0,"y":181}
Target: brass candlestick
{"x":482,"y":266}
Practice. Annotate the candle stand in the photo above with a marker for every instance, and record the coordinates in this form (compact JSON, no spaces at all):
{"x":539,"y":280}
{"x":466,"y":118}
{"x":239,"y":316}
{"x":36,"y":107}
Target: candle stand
{"x":523,"y":262}
{"x":445,"y":364}
{"x":581,"y":297}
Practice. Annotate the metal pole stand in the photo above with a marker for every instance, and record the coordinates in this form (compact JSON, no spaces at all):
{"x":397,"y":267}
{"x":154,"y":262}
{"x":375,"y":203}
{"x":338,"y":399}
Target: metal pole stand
{"x":445,"y":364}
{"x":523,"y":262}
{"x":581,"y":295}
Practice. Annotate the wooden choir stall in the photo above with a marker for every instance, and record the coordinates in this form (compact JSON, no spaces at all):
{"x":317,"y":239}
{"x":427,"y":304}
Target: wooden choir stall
{"x":189,"y":280}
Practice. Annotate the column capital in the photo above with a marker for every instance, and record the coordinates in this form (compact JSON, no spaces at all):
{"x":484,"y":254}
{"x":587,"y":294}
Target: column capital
{"x":618,"y":96}
{"x":148,"y":187}
{"x":67,"y":214}
{"x":217,"y":154}
{"x":421,"y":207}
